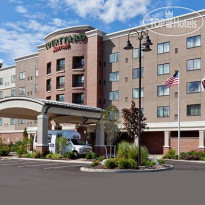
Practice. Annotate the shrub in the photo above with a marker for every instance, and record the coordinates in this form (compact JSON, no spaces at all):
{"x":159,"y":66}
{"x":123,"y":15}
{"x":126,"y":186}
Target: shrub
{"x":21,"y":150}
{"x":130,"y":151}
{"x":13,"y":148}
{"x":4,"y":150}
{"x":161,"y":161}
{"x":95,"y":163}
{"x":49,"y":156}
{"x":127,"y":164}
{"x":123,"y":148}
{"x":94,"y":155}
{"x":170,"y":155}
{"x":101,"y":158}
{"x":28,"y":155}
{"x":56,"y":156}
{"x":37,"y":154}
{"x":111,"y":163}
{"x":149,"y":163}
{"x":70,"y":155}
{"x":88,"y":155}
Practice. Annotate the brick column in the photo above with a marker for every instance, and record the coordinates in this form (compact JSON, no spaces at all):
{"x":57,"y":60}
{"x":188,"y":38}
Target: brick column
{"x":201,"y":141}
{"x":42,"y":138}
{"x":166,"y":146}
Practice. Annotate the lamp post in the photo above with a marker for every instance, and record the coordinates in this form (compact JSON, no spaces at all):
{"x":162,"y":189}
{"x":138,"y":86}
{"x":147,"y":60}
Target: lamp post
{"x":147,"y":42}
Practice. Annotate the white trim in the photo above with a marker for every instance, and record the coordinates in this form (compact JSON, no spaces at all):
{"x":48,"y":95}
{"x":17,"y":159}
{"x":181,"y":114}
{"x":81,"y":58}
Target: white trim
{"x":11,"y":131}
{"x":94,"y":32}
{"x":67,"y":30}
{"x":22,"y":58}
{"x":8,"y":67}
{"x":122,"y":33}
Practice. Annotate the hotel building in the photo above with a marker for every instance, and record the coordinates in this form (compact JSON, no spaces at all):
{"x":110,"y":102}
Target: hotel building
{"x":84,"y":65}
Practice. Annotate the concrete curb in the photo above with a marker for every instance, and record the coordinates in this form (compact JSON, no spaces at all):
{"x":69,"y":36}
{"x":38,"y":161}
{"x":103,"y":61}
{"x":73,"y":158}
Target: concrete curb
{"x":86,"y":169}
{"x":181,"y":160}
{"x":48,"y":160}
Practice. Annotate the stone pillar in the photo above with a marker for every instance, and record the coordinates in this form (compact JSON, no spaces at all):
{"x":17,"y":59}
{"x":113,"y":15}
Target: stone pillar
{"x":42,"y":137}
{"x":201,"y":141}
{"x":100,"y":135}
{"x":166,"y":146}
{"x":100,"y":139}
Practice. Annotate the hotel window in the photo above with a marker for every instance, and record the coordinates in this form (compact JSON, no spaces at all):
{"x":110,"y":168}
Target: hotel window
{"x":193,"y":87}
{"x":194,"y":110}
{"x":36,"y":72}
{"x":13,"y":78}
{"x":135,"y":53}
{"x":78,"y":80}
{"x":1,"y":81}
{"x":194,"y":41}
{"x":114,"y":77}
{"x":60,"y":98}
{"x":22,"y":75}
{"x":1,"y":121}
{"x":135,"y":93}
{"x":12,"y":121}
{"x":36,"y":88}
{"x":135,"y":73}
{"x":48,"y":71}
{"x":163,"y":47}
{"x":78,"y":62}
{"x":162,"y":90}
{"x":22,"y":91}
{"x":13,"y":93}
{"x":114,"y":95}
{"x":163,"y":69}
{"x":163,"y":111}
{"x":48,"y":85}
{"x":78,"y":98}
{"x":114,"y":57}
{"x":60,"y":82}
{"x":193,"y":64}
{"x":60,"y":64}
{"x":21,"y":121}
{"x":1,"y":94}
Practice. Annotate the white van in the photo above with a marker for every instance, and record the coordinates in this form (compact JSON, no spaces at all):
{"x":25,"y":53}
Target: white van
{"x":74,"y":143}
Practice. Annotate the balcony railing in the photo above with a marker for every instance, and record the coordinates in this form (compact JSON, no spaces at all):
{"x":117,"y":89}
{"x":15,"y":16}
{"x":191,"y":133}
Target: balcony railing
{"x":48,"y":88}
{"x":60,"y":68}
{"x":60,"y":86}
{"x":78,"y":83}
{"x":78,"y":65}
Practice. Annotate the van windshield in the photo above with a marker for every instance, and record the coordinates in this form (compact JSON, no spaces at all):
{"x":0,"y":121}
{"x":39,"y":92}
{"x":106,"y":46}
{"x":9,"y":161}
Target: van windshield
{"x":77,"y":142}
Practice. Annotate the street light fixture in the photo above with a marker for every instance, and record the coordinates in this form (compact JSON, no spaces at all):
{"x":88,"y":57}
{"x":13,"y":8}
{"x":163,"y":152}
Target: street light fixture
{"x":146,"y":48}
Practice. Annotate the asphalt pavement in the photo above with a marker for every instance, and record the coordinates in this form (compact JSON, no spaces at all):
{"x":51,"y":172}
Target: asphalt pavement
{"x":43,"y":182}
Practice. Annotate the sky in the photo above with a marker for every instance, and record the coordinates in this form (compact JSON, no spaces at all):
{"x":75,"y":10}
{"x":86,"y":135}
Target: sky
{"x":25,"y":23}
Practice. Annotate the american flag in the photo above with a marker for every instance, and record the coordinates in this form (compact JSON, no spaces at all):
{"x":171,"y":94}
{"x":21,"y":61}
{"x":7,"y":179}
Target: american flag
{"x":173,"y":80}
{"x":203,"y":83}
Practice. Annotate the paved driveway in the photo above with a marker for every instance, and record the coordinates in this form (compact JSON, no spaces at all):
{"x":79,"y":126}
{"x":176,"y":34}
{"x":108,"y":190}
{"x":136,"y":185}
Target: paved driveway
{"x":39,"y":182}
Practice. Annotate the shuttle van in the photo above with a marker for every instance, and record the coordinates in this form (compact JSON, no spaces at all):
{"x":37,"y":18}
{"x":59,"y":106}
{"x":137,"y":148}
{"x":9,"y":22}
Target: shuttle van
{"x":74,"y":142}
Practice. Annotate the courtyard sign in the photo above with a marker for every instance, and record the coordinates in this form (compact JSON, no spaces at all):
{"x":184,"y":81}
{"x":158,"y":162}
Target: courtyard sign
{"x":64,"y":42}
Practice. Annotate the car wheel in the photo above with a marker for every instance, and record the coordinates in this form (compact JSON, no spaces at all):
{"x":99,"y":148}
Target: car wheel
{"x":75,"y":154}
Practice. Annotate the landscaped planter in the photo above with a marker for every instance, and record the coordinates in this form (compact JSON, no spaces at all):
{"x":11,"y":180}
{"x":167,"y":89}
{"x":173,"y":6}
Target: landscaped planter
{"x":100,"y":168}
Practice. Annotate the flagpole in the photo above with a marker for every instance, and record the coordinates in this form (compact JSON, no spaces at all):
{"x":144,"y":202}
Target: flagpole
{"x":179,"y":113}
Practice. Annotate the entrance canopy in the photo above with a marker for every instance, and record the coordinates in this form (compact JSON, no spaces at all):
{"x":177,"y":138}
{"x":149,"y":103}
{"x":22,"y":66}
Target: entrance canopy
{"x":30,"y":108}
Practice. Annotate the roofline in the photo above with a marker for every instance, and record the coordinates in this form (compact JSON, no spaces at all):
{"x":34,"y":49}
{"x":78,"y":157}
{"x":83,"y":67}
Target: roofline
{"x":68,"y":29}
{"x":125,"y":31}
{"x":33,"y":55}
{"x":8,"y":67}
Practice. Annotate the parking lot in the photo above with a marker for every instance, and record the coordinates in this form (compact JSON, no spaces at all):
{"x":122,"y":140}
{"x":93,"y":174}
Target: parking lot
{"x":48,"y":182}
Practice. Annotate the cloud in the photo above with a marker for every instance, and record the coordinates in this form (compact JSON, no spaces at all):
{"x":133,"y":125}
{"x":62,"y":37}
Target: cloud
{"x":21,"y":10}
{"x":21,"y":38}
{"x":107,"y":11}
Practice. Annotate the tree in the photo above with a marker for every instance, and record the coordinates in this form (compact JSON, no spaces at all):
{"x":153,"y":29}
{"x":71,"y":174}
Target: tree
{"x":131,"y":117}
{"x":61,"y":144}
{"x":25,"y":134}
{"x":110,"y":120}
